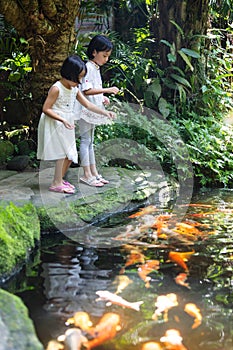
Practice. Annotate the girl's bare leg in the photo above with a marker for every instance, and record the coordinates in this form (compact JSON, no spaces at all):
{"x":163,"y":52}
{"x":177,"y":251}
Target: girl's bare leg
{"x":58,"y":173}
{"x":66,"y":166}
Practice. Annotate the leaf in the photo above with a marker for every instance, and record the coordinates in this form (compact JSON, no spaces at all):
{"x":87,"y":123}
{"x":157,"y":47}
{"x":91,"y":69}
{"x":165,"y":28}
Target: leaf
{"x":182,"y":93}
{"x":171,"y":58}
{"x":164,"y":107}
{"x":152,"y":93}
{"x":178,"y":27}
{"x":181,"y":80}
{"x":166,"y":42}
{"x":190,"y":53}
{"x":186,"y":59}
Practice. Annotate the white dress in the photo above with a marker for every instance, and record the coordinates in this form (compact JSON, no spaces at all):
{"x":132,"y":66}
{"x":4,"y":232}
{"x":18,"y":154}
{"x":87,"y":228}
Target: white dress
{"x":92,"y":80}
{"x":55,"y":141}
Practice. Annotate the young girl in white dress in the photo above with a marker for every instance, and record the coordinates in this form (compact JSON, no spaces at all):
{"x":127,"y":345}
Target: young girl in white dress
{"x":56,"y":135}
{"x":98,"y":52}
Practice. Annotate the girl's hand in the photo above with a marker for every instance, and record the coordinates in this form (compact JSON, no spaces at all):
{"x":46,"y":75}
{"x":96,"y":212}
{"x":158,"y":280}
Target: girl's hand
{"x":112,"y":90}
{"x":111,"y":115}
{"x":106,"y":100}
{"x":68,"y":125}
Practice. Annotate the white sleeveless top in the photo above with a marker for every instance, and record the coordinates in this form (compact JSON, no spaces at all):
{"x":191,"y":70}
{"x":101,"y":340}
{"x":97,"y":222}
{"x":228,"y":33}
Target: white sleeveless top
{"x":55,"y":141}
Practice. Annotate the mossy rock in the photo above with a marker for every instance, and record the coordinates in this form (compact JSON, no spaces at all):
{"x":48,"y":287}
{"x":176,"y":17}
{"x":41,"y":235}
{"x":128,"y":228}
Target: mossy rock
{"x":16,"y":328}
{"x":6,"y":150}
{"x":19,"y":232}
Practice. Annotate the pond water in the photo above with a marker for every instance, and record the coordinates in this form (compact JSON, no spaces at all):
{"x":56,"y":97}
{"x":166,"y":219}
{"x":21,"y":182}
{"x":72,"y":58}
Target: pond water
{"x":63,"y":277}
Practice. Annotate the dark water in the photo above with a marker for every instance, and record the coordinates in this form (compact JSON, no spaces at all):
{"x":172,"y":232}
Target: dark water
{"x":63,"y":278}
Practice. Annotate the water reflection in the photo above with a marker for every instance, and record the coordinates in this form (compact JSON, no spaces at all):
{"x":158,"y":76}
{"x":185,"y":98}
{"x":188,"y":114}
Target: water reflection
{"x":70,"y":274}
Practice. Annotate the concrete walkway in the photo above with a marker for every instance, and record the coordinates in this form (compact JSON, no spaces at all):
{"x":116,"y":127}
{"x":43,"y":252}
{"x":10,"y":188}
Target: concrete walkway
{"x":32,"y":186}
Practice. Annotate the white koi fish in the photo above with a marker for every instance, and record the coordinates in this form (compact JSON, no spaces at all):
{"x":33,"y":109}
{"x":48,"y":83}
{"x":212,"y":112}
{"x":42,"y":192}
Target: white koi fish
{"x":116,"y":299}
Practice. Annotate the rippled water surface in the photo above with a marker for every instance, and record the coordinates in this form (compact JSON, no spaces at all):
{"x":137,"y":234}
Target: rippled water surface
{"x":64,"y":277}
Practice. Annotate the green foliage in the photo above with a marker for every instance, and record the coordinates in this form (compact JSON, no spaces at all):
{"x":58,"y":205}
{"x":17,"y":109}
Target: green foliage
{"x":14,"y":57}
{"x":209,"y":143}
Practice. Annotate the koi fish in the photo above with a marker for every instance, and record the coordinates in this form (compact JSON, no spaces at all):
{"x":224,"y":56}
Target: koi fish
{"x":179,"y":258}
{"x":133,"y":258}
{"x":195,"y":312}
{"x":106,"y":329}
{"x":186,"y":229}
{"x":181,"y":278}
{"x":54,"y":345}
{"x":81,"y":320}
{"x":116,"y":299}
{"x":73,"y":339}
{"x":143,"y":211}
{"x":123,"y":282}
{"x":151,"y":346}
{"x":148,"y":267}
{"x":163,"y":304}
{"x":173,"y":340}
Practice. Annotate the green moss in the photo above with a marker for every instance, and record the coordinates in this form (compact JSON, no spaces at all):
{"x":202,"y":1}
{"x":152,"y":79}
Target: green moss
{"x":20,"y":330}
{"x":19,"y":231}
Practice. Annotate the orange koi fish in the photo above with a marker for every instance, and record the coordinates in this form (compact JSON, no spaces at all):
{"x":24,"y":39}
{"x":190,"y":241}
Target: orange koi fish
{"x":180,"y":257}
{"x":133,"y":258}
{"x":106,"y":329}
{"x":73,"y":339}
{"x":173,"y":340}
{"x":147,"y":210}
{"x":163,"y":304}
{"x":181,"y":278}
{"x":116,"y":299}
{"x":81,"y":320}
{"x":151,"y":346}
{"x":122,"y":282}
{"x":195,"y":312}
{"x":186,"y":229}
{"x":144,"y":270}
{"x":197,"y":205}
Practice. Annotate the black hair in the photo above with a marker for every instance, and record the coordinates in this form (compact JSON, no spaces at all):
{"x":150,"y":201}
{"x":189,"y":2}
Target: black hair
{"x":98,"y":43}
{"x":72,"y":67}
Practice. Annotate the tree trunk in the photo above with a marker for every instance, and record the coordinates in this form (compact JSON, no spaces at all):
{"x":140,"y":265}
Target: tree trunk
{"x":190,"y":15}
{"x":48,"y":27}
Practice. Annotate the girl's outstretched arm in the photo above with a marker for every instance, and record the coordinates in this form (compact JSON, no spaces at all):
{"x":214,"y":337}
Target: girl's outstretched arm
{"x":92,"y":107}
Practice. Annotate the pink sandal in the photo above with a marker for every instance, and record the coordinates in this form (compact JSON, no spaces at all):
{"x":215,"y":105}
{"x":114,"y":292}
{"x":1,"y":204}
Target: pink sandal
{"x":68,"y":184}
{"x":102,"y":179}
{"x":91,"y":182}
{"x":62,"y":189}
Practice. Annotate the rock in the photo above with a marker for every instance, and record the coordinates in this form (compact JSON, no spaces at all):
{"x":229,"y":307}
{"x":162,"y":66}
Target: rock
{"x":6,"y":150}
{"x":20,"y":231}
{"x":16,"y":328}
{"x":18,"y":163}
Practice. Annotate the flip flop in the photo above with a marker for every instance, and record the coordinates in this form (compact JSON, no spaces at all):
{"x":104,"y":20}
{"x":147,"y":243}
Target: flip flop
{"x":66,"y":183}
{"x":91,"y":182}
{"x":62,"y":189}
{"x":102,"y":179}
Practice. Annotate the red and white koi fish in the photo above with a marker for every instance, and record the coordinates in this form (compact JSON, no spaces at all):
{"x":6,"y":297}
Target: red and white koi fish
{"x":173,"y":340}
{"x":116,"y":299}
{"x":73,"y":339}
{"x":195,"y":312}
{"x":181,"y":278}
{"x":105,"y":330}
{"x":145,"y":269}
